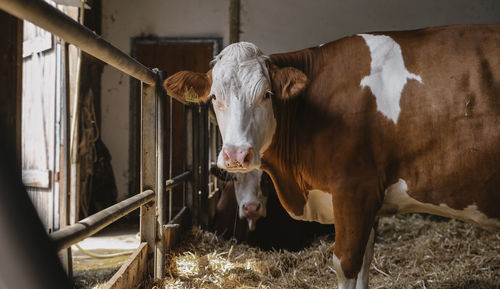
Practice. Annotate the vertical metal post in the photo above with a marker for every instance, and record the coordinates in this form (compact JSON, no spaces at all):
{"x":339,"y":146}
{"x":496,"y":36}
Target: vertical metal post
{"x":189,"y":187}
{"x":196,"y":165}
{"x":148,"y":170}
{"x":152,"y":173}
{"x":204,"y":151}
{"x":161,"y":202}
{"x":64,"y":174}
{"x":60,"y":202}
{"x":212,"y":160}
{"x":170,"y":155}
{"x":75,"y":134}
{"x":57,"y":134}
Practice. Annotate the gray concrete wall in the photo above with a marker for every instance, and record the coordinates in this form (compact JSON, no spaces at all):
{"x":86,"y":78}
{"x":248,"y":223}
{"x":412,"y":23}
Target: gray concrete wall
{"x":286,"y":25}
{"x":274,"y":25}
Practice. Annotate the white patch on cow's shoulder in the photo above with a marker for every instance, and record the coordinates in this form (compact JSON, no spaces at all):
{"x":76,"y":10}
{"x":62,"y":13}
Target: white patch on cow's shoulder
{"x":397,"y":200}
{"x":318,"y":208}
{"x":388,"y":74}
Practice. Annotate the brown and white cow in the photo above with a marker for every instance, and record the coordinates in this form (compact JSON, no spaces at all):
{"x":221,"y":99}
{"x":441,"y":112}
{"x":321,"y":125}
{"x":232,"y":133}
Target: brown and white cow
{"x":378,"y":123}
{"x":272,"y":230}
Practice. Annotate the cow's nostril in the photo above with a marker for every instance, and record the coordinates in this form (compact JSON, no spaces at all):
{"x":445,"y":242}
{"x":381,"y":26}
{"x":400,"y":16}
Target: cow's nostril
{"x":258,"y":207}
{"x":226,"y":154}
{"x":248,"y":157}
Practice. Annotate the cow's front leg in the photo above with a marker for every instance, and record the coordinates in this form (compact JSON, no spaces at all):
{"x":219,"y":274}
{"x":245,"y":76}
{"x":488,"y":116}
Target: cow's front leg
{"x":354,"y":238}
{"x":362,"y":278}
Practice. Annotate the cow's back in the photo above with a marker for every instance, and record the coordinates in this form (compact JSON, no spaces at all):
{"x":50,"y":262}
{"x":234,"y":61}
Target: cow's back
{"x":447,"y":138}
{"x":421,"y":107}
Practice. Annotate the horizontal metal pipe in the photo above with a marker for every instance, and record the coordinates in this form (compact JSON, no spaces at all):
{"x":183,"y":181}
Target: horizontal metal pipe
{"x":177,"y":180}
{"x":93,"y":224}
{"x":51,"y":19}
{"x":180,"y":218}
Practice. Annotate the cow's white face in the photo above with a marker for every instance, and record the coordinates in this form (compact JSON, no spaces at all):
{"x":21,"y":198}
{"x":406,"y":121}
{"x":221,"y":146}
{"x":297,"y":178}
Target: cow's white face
{"x":241,"y":98}
{"x":251,"y":200}
{"x":242,"y":86}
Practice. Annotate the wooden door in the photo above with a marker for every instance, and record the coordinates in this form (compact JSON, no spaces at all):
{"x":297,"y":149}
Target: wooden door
{"x":171,"y":56}
{"x":38,"y":123}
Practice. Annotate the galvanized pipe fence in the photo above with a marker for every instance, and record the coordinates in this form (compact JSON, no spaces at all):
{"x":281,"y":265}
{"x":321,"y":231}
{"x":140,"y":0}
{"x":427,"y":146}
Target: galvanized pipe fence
{"x":155,"y":228}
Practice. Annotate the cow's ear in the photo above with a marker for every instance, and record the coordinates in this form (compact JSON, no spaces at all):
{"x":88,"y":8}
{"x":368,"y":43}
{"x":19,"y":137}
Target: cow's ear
{"x":288,"y":82}
{"x":189,"y":86}
{"x":222,"y":174}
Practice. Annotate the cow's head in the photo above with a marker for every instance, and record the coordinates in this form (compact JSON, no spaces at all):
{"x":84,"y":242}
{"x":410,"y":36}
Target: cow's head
{"x":242,"y":86}
{"x":251,"y":190}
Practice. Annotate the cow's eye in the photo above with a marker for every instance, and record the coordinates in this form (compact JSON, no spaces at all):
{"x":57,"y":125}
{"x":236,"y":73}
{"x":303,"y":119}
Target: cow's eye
{"x":213,"y":97}
{"x":268,"y":94}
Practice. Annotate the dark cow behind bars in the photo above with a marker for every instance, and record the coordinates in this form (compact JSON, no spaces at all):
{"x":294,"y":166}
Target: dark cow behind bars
{"x":268,"y":225}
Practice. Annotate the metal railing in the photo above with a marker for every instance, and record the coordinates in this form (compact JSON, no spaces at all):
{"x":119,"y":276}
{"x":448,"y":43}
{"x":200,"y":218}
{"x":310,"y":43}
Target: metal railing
{"x":151,"y":200}
{"x":93,"y":224}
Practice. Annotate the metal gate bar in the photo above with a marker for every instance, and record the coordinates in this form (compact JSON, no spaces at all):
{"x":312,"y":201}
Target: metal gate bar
{"x":96,"y":222}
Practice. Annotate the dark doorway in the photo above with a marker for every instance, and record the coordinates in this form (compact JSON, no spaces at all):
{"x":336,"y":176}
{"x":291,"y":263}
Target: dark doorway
{"x":169,"y":55}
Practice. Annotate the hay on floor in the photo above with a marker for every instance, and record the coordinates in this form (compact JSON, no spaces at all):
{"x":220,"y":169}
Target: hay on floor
{"x":411,"y":251}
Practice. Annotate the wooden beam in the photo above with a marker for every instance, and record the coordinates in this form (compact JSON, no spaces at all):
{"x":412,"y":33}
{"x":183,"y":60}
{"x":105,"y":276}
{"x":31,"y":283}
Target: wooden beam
{"x":132,"y":273}
{"x":234,"y":21}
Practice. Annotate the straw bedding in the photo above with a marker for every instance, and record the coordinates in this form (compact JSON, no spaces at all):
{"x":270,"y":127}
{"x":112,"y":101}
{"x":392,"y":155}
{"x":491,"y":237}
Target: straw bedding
{"x":411,"y":251}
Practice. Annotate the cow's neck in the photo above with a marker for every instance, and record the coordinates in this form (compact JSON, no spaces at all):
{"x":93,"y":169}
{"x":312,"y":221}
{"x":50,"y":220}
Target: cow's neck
{"x":303,"y":60}
{"x":282,"y":163}
{"x":282,"y":160}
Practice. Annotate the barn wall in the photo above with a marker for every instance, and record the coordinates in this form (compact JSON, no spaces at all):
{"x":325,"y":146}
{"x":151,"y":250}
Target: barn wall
{"x":124,"y":19}
{"x":286,"y":25}
{"x":275,"y":26}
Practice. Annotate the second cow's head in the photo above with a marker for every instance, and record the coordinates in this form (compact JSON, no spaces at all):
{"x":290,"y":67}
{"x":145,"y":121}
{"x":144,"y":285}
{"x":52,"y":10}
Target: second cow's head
{"x":251,"y":190}
{"x":242,"y":86}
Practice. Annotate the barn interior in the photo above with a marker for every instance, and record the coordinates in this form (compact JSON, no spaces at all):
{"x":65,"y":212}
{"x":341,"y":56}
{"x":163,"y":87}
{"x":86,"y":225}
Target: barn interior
{"x":88,"y":135}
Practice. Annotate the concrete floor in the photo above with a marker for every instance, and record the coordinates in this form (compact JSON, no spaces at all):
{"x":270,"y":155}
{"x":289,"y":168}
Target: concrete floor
{"x":89,"y":271}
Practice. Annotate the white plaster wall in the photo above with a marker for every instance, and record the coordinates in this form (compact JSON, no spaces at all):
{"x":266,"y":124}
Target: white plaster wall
{"x":124,"y":19}
{"x":274,"y":25}
{"x":287,"y":25}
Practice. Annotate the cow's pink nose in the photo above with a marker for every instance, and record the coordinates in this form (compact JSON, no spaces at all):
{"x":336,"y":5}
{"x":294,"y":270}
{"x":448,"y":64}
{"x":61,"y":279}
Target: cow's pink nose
{"x":237,"y":158}
{"x":251,"y":210}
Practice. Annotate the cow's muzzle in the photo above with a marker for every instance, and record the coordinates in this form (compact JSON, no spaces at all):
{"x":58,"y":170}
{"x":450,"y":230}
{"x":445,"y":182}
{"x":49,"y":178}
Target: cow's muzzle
{"x":236,"y":158}
{"x":252,"y":212}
